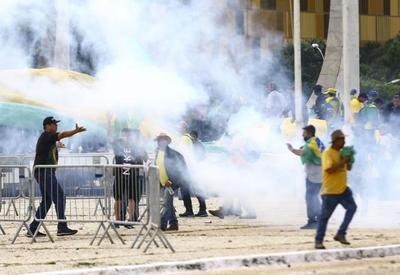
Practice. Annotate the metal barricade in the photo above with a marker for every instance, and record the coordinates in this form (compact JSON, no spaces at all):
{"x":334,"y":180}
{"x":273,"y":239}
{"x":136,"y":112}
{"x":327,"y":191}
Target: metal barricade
{"x":77,"y":191}
{"x":15,"y":196}
{"x":73,"y":159}
{"x":127,"y":197}
{"x":152,"y":226}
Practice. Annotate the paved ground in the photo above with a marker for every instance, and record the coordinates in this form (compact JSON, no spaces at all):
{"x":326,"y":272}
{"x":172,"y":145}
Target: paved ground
{"x":275,"y":230}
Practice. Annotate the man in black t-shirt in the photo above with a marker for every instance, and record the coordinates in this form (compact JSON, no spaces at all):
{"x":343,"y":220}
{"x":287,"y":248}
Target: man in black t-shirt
{"x":47,"y":154}
{"x":129,"y":182}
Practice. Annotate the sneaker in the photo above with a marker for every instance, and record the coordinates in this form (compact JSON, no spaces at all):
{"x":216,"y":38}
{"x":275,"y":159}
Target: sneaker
{"x":217,"y":213}
{"x":172,"y":227}
{"x":116,"y":225}
{"x":319,"y":245}
{"x":341,"y":239}
{"x":310,"y":225}
{"x":128,"y":226}
{"x":186,"y":215}
{"x":39,"y":234}
{"x":201,"y":214}
{"x":66,"y":232}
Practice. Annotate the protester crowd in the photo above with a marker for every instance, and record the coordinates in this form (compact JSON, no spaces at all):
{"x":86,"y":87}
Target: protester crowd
{"x":375,"y":136}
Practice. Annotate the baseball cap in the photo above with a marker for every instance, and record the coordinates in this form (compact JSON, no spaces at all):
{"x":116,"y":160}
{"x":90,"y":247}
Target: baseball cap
{"x":330,"y":91}
{"x":337,"y":134}
{"x":373,"y":93}
{"x":363,"y":95}
{"x":50,"y":120}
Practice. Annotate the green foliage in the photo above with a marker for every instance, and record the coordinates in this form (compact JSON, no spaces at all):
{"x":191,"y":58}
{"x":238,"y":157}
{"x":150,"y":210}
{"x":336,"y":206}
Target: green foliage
{"x":311,"y":62}
{"x":379,"y":64}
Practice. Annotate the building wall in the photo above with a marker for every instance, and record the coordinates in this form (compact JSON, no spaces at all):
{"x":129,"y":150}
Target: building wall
{"x":379,"y":19}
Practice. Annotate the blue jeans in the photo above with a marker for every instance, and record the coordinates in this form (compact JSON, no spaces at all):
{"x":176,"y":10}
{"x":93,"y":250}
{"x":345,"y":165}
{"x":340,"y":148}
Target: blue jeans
{"x":329,"y":203}
{"x":168,"y":211}
{"x":313,"y":200}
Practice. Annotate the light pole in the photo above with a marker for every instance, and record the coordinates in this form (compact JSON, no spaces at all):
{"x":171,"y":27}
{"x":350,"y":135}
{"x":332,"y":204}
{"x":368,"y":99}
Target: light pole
{"x":316,"y":46}
{"x":393,"y":82}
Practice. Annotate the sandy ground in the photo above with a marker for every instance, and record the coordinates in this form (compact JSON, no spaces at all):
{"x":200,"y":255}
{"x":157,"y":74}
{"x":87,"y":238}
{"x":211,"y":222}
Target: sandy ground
{"x":275,"y":230}
{"x":378,"y":266}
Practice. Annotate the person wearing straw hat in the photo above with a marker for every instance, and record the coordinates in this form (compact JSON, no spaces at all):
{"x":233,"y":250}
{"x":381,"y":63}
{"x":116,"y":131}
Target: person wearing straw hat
{"x":173,"y":175}
{"x":334,"y":191}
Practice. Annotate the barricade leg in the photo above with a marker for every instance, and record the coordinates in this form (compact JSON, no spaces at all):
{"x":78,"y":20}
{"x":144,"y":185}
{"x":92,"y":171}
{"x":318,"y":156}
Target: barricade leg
{"x":24,"y":224}
{"x":41,"y":224}
{"x":101,"y":225}
{"x":157,"y":233}
{"x":144,"y":227}
{"x":2,"y":230}
{"x":111,"y":225}
{"x":12,"y":203}
{"x":99,"y":204}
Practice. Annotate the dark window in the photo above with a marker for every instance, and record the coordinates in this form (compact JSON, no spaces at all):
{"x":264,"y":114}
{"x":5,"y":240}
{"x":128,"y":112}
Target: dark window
{"x":327,"y":5}
{"x":363,"y":6}
{"x":386,"y":7}
{"x":268,"y":4}
{"x":304,"y":5}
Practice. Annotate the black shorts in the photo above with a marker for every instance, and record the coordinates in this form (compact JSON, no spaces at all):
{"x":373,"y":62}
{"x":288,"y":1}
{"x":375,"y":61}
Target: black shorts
{"x":128,"y":184}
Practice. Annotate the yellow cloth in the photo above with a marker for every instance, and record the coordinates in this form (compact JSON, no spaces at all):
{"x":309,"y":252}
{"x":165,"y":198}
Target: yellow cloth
{"x":356,"y":106}
{"x":161,"y":166}
{"x":314,"y":147}
{"x":186,"y":140}
{"x":335,"y":183}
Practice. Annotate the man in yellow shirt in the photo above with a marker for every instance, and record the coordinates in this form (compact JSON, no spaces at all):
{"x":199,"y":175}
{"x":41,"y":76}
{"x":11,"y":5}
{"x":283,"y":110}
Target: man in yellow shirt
{"x":334,"y":190}
{"x":357,"y":103}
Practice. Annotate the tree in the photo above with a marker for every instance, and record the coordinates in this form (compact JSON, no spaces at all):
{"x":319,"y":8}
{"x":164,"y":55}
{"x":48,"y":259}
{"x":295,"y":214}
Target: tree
{"x":311,"y":62}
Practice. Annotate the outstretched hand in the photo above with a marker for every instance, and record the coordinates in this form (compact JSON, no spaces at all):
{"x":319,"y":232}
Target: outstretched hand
{"x":79,"y":129}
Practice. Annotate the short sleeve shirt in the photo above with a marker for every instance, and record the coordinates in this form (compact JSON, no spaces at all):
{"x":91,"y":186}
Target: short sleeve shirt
{"x":335,"y":183}
{"x":46,"y":149}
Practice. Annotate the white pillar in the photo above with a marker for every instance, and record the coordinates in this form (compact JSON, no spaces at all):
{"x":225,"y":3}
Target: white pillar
{"x":351,"y":53}
{"x":61,"y":48}
{"x":297,"y":62}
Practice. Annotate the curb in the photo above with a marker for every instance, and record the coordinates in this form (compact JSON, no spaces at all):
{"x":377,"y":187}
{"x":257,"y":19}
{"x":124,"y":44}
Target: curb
{"x":208,"y":264}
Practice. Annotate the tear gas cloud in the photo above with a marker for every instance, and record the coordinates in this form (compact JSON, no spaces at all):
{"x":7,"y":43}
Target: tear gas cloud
{"x":156,"y":59}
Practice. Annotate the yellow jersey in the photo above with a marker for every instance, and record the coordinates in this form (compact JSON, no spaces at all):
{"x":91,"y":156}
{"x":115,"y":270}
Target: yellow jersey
{"x":356,"y":106}
{"x":335,"y":183}
{"x":160,"y":162}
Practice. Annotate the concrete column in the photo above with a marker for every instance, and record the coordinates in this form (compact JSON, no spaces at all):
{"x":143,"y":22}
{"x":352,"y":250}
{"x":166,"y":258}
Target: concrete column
{"x":333,"y":53}
{"x":351,"y":54}
{"x":297,"y":62}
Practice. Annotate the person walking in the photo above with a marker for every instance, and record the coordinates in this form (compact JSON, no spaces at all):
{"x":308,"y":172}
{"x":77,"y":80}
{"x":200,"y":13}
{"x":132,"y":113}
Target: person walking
{"x":334,"y":191}
{"x":310,"y":155}
{"x":173,"y":175}
{"x":50,"y":189}
{"x":129,"y":182}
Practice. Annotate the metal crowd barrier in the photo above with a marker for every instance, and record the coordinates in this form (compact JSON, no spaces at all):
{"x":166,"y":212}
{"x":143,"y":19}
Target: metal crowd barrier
{"x":85,"y":192}
{"x":152,"y":226}
{"x":78,"y":189}
{"x":15,"y":196}
{"x":88,"y":183}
